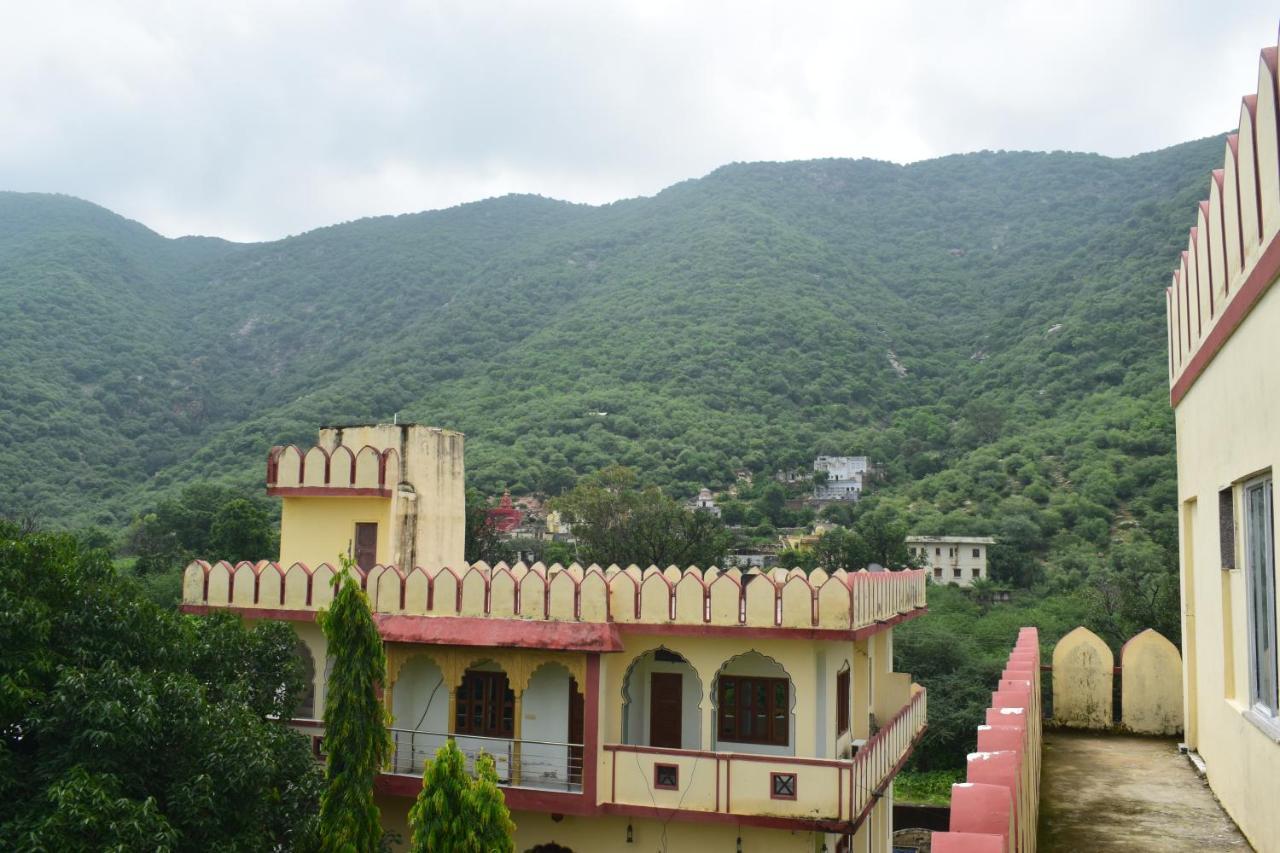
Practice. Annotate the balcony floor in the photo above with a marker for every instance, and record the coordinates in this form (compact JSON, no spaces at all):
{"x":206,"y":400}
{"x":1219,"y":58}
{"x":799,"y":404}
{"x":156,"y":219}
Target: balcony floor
{"x":1102,"y":791}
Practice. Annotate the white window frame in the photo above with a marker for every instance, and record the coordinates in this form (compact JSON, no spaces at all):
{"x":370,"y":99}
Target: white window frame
{"x":1265,"y":709}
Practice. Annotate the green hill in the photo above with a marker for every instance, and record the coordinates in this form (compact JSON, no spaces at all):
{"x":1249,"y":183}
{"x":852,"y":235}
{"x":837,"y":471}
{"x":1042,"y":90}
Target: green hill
{"x":989,"y":327}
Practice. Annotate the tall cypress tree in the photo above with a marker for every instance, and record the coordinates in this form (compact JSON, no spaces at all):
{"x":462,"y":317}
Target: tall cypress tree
{"x":355,"y":721}
{"x":457,"y":814}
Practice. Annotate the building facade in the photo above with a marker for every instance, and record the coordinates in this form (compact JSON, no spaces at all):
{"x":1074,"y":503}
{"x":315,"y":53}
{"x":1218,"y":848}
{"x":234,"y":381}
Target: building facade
{"x":845,"y":476}
{"x":958,"y":560}
{"x":1224,"y":374}
{"x":755,"y":710}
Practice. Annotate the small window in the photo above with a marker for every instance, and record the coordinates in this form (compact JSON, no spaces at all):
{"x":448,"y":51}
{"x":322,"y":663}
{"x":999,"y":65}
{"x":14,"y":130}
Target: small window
{"x":955,"y":572}
{"x":937,"y":552}
{"x":977,"y":552}
{"x":1259,"y":542}
{"x":666,"y":777}
{"x":977,"y":573}
{"x":1227,"y":527}
{"x":842,"y":701}
{"x":937,"y":572}
{"x":783,"y":786}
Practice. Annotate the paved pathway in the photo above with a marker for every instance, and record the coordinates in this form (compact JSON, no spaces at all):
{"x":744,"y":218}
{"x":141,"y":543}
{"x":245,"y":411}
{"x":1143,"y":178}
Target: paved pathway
{"x":1105,"y":792}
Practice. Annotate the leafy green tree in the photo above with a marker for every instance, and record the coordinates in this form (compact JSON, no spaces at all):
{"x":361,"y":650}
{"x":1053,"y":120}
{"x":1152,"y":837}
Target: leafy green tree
{"x":884,"y":532}
{"x":455,"y":812}
{"x":842,"y":548}
{"x":355,"y":721}
{"x":125,"y":726}
{"x":242,"y":530}
{"x":801,"y":558}
{"x":616,"y":521}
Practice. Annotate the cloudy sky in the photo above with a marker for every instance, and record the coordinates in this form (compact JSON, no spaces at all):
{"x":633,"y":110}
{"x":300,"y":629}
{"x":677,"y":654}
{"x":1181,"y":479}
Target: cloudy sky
{"x":253,"y":120}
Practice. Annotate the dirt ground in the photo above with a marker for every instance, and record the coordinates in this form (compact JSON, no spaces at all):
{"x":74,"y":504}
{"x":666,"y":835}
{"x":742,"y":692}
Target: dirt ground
{"x":1104,"y":792}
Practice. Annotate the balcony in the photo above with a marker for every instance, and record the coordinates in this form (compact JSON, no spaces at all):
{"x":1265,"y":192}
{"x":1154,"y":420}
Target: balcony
{"x":530,"y":764}
{"x":833,"y":793}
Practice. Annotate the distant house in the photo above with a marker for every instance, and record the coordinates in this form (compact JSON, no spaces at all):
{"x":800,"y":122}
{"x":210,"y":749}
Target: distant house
{"x":844,"y":477}
{"x":705,"y":502}
{"x":960,"y":560}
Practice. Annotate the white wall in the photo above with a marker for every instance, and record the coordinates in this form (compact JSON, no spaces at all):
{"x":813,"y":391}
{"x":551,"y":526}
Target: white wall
{"x":545,"y":717}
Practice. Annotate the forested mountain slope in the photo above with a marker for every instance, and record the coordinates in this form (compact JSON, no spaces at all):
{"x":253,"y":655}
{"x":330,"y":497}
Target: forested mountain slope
{"x":988,"y":326}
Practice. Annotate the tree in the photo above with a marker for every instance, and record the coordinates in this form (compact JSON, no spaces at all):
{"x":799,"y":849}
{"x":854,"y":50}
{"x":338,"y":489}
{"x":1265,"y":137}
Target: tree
{"x":455,"y":812}
{"x":241,"y":530}
{"x":481,"y":540}
{"x":843,"y":549}
{"x":615,"y":521}
{"x":885,"y":535}
{"x":126,"y":726}
{"x":355,"y":720}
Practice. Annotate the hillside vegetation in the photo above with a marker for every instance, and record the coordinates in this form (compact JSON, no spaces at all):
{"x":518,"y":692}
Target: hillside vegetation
{"x":988,"y":327}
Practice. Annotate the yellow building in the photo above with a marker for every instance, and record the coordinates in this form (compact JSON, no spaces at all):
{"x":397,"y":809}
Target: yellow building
{"x":626,"y":708}
{"x":1224,"y":371}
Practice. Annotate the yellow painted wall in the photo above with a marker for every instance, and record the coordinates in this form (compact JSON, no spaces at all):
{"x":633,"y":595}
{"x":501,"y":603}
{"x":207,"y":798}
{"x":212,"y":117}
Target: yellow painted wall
{"x":430,"y":489}
{"x":606,"y":833}
{"x":1228,"y":428}
{"x":1151,"y":688}
{"x":1082,"y":681}
{"x":316,"y":530}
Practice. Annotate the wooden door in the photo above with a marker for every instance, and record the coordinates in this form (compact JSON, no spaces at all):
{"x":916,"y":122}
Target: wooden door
{"x":665,"y":689}
{"x":576,"y":709}
{"x":366,"y":544}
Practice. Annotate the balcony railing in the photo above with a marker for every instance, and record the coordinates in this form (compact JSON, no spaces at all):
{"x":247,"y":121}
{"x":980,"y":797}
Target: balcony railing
{"x":537,"y":764}
{"x":841,"y":790}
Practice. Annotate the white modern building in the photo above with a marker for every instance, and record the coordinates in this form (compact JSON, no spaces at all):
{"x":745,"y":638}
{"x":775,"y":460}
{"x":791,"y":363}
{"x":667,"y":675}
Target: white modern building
{"x":960,"y":560}
{"x":845,"y":475}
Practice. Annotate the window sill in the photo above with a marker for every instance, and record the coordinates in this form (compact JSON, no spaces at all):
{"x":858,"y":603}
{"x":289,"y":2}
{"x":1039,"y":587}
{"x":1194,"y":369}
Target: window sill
{"x":1269,"y":726}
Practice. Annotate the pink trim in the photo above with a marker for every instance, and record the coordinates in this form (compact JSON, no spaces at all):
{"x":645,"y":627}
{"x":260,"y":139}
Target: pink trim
{"x":326,"y":492}
{"x":1254,"y":288}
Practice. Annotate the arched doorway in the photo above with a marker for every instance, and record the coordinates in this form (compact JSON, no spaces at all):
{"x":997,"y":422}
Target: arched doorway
{"x":662,"y":701}
{"x":755,"y":706}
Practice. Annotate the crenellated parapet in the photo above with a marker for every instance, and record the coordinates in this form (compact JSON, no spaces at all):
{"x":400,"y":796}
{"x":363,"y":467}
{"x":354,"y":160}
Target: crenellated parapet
{"x":367,"y":472}
{"x":778,"y":598}
{"x":1233,"y":250}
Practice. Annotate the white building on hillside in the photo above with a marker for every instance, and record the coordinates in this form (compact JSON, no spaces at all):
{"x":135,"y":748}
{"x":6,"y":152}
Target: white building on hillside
{"x":960,"y":560}
{"x":845,"y":475}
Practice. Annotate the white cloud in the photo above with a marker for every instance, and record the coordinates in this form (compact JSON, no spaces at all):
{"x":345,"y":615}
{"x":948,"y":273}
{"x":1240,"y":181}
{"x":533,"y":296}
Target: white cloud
{"x":252,"y":120}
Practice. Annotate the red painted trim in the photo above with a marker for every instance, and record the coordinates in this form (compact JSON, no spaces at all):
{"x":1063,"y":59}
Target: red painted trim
{"x":510,"y":633}
{"x":517,"y":799}
{"x":795,"y":824}
{"x":301,"y":723}
{"x":591,"y":729}
{"x":661,"y":787}
{"x":717,"y":781}
{"x":326,"y":492}
{"x":1194,"y":269}
{"x":1208,"y":251}
{"x":726,"y":755}
{"x":1233,"y":142}
{"x":767,"y":631}
{"x":1257,"y":284}
{"x":1251,"y":104}
{"x":795,"y":786}
{"x":893,"y":774}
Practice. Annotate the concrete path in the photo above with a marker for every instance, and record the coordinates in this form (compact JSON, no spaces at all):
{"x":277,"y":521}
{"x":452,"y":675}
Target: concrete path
{"x":1104,"y":792}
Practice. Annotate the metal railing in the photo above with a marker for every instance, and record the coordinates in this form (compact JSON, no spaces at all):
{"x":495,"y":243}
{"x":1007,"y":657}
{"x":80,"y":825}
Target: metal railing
{"x":539,"y":764}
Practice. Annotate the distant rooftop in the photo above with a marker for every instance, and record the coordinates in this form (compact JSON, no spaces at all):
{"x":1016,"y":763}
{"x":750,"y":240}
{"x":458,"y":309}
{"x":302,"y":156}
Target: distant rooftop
{"x":963,"y":540}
